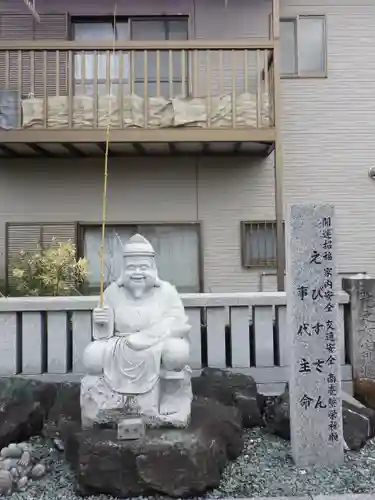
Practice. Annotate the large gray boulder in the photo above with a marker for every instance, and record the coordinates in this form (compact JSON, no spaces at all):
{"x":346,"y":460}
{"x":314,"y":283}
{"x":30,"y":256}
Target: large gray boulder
{"x":358,"y":422}
{"x":24,"y":406}
{"x":174,"y":462}
{"x":231,"y":389}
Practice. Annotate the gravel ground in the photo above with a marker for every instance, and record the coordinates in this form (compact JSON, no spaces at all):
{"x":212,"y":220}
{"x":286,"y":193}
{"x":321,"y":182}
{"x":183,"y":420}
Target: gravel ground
{"x":265,"y":469}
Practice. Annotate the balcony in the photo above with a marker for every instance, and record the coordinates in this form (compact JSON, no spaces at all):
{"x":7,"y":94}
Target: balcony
{"x":57,"y":98}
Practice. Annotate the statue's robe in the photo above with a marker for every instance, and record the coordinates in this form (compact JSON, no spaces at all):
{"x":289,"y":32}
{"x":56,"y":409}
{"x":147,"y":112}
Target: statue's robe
{"x":132,"y":355}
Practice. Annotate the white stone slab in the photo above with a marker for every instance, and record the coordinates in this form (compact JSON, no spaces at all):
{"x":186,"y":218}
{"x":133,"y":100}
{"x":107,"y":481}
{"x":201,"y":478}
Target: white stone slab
{"x":313,"y":323}
{"x":57,"y":342}
{"x":31,"y":343}
{"x":82,"y":336}
{"x":216,"y":320}
{"x":263,"y":327}
{"x":194,"y":315}
{"x":240,"y":337}
{"x":8,"y":343}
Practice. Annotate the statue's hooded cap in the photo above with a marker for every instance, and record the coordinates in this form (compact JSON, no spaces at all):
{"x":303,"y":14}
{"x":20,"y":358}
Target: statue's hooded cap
{"x":138,"y":245}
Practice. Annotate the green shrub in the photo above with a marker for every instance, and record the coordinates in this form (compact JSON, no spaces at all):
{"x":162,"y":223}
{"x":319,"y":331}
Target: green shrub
{"x":50,"y":271}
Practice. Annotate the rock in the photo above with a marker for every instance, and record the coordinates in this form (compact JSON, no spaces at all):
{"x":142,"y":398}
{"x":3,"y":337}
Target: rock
{"x":11,"y":451}
{"x":277,"y":416}
{"x":174,"y":462}
{"x":14,"y":473}
{"x":22,"y":482}
{"x":37,"y":471}
{"x":58,"y":444}
{"x":364,"y":391}
{"x":231,"y":389}
{"x":9,"y":463}
{"x":25,"y":459}
{"x":24,"y":446}
{"x":24,"y":404}
{"x":358,"y":423}
{"x":6,"y":482}
{"x":65,"y":409}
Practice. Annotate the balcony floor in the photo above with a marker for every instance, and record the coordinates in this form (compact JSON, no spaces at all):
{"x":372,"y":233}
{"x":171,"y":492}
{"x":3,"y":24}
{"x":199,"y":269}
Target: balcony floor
{"x":135,"y":142}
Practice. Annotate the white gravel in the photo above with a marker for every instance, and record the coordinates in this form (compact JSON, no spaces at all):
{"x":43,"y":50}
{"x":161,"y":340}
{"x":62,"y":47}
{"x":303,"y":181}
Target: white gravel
{"x":265,"y":469}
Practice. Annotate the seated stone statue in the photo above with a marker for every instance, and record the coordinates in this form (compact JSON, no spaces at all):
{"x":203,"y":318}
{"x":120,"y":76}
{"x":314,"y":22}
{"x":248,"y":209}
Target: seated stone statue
{"x":141,"y":349}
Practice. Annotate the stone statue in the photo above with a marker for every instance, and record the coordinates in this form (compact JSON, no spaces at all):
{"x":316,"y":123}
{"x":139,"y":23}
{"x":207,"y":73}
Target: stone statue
{"x":139,"y":356}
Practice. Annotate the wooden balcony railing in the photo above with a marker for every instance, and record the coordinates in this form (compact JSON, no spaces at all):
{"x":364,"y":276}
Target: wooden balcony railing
{"x":143,"y":85}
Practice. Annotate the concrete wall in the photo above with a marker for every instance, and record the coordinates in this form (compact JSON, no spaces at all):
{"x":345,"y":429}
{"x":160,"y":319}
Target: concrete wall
{"x":218,"y":192}
{"x":328,"y":129}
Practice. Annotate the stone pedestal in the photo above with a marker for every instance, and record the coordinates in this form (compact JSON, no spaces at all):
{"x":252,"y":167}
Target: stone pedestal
{"x":170,"y":398}
{"x":313,"y":325}
{"x":361,"y":325}
{"x":174,"y":462}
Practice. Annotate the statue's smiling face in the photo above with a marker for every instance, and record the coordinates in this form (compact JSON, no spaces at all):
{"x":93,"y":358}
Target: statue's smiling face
{"x":139,"y":273}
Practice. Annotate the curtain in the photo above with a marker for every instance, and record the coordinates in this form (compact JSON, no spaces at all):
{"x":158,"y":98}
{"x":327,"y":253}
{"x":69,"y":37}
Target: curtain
{"x":177,"y":254}
{"x":113,"y":252}
{"x":84,"y":65}
{"x":260,"y":244}
{"x":176,"y":247}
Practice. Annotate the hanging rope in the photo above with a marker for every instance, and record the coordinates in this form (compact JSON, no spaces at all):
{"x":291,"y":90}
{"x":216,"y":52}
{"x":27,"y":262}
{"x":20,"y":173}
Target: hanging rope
{"x":105,"y":183}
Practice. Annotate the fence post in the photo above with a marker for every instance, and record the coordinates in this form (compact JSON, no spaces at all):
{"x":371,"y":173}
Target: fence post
{"x":360,"y":325}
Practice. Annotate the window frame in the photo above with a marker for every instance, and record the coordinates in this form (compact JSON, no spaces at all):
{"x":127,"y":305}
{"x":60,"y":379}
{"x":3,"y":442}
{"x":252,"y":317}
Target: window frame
{"x":9,"y":224}
{"x":82,"y":225}
{"x":296,"y":19}
{"x":243,"y":229}
{"x":121,"y":19}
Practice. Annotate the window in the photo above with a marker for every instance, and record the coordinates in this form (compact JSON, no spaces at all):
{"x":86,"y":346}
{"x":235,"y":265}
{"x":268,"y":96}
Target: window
{"x":258,"y":244}
{"x":170,"y":72}
{"x":84,"y":65}
{"x":303,"y":46}
{"x":176,"y":247}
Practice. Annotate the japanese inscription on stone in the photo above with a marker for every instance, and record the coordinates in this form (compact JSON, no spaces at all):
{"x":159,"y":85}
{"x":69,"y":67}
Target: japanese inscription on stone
{"x":362,"y":324}
{"x":313,"y":322}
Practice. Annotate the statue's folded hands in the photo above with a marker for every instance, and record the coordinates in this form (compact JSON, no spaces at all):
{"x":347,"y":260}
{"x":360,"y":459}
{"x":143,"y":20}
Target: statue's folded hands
{"x":141,"y":340}
{"x":102,"y":315}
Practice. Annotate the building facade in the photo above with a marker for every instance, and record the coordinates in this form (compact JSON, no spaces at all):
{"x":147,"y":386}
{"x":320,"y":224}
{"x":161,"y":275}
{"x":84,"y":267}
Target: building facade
{"x":206,"y":201}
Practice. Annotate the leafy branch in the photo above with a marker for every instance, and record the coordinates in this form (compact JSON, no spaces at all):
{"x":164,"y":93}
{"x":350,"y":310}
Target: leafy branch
{"x":50,"y":271}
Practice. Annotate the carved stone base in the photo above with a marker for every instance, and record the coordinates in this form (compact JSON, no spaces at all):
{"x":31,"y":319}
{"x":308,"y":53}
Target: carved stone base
{"x":167,"y":404}
{"x":176,"y":398}
{"x":96,"y":397}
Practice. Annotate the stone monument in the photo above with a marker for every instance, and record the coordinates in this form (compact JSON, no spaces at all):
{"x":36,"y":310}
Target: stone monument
{"x":137,"y":365}
{"x":313,"y":324}
{"x":361,"y":289}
